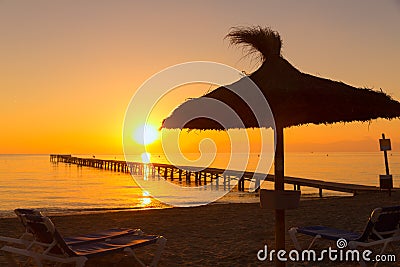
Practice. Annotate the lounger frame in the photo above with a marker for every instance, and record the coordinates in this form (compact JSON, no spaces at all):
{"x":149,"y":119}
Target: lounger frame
{"x":371,"y":236}
{"x":29,"y":246}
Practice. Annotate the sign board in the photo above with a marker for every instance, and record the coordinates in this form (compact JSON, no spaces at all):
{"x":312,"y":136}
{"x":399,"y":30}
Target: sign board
{"x":386,"y":181}
{"x":385,"y":144}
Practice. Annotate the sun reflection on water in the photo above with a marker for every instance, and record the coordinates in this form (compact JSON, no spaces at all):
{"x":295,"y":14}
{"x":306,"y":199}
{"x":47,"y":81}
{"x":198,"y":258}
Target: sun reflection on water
{"x":146,"y":200}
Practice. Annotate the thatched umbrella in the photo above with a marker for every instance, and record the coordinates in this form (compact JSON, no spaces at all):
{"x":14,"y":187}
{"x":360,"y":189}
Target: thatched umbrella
{"x":295,"y":98}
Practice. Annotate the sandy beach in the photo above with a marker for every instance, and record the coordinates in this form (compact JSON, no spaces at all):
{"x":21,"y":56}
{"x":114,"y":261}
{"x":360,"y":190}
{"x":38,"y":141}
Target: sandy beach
{"x":218,"y":235}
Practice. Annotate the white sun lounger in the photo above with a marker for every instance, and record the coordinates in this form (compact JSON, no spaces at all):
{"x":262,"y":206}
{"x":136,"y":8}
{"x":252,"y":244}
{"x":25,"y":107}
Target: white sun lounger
{"x":47,"y":244}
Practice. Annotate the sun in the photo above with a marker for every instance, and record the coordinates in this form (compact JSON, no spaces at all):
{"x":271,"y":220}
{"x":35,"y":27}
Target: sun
{"x":146,"y":134}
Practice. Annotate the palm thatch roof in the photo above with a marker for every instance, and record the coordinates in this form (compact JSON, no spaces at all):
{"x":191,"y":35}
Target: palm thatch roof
{"x":295,"y":98}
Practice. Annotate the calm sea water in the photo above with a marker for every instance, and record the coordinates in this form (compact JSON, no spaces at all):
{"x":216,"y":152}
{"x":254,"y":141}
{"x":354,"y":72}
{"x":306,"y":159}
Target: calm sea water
{"x":33,"y":181}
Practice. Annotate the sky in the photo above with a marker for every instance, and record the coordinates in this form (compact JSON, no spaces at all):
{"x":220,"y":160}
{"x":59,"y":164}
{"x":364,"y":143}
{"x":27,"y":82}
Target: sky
{"x":68,"y":69}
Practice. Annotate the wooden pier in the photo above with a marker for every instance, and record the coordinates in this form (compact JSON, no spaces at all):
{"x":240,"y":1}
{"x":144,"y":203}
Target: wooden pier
{"x":218,"y":178}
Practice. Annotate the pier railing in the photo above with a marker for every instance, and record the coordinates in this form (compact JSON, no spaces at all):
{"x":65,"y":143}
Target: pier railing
{"x":220,"y":178}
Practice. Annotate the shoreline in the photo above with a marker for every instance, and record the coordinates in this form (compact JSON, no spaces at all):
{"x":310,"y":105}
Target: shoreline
{"x":246,"y":198}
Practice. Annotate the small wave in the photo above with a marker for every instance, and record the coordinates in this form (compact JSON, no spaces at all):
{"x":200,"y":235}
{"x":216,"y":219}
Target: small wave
{"x":62,"y":212}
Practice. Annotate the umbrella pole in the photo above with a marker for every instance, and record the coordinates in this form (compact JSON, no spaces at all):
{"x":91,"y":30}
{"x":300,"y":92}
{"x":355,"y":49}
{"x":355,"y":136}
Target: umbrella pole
{"x":279,"y":185}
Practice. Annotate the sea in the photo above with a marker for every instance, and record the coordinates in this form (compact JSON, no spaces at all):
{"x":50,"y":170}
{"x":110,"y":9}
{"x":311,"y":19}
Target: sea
{"x":32,"y":181}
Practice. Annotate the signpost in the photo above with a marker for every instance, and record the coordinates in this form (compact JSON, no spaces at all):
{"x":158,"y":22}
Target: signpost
{"x":385,"y":181}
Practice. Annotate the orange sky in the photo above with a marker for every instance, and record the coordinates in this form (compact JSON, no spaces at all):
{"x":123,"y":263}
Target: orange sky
{"x":68,"y":69}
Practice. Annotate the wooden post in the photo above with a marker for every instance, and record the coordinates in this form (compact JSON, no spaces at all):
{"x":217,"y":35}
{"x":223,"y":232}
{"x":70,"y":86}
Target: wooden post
{"x":280,"y":227}
{"x":320,"y":192}
{"x":224,"y":182}
{"x":241,"y":182}
{"x":257,"y":184}
{"x":386,"y":158}
{"x":188,"y":176}
{"x":386,"y":181}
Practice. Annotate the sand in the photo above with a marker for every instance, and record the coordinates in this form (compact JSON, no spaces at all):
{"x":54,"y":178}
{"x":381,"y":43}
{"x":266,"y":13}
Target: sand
{"x":221,"y":234}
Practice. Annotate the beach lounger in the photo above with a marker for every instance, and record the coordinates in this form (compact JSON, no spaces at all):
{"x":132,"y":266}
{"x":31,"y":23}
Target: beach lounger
{"x":26,"y":237}
{"x":49,"y":245}
{"x":382,"y":228}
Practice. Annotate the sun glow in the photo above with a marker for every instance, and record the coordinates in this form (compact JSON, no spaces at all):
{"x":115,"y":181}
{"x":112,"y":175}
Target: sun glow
{"x":146,"y":134}
{"x":146,"y":157}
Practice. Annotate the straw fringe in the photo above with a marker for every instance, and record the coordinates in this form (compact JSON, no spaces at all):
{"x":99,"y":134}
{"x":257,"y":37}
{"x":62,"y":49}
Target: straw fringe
{"x":257,"y":39}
